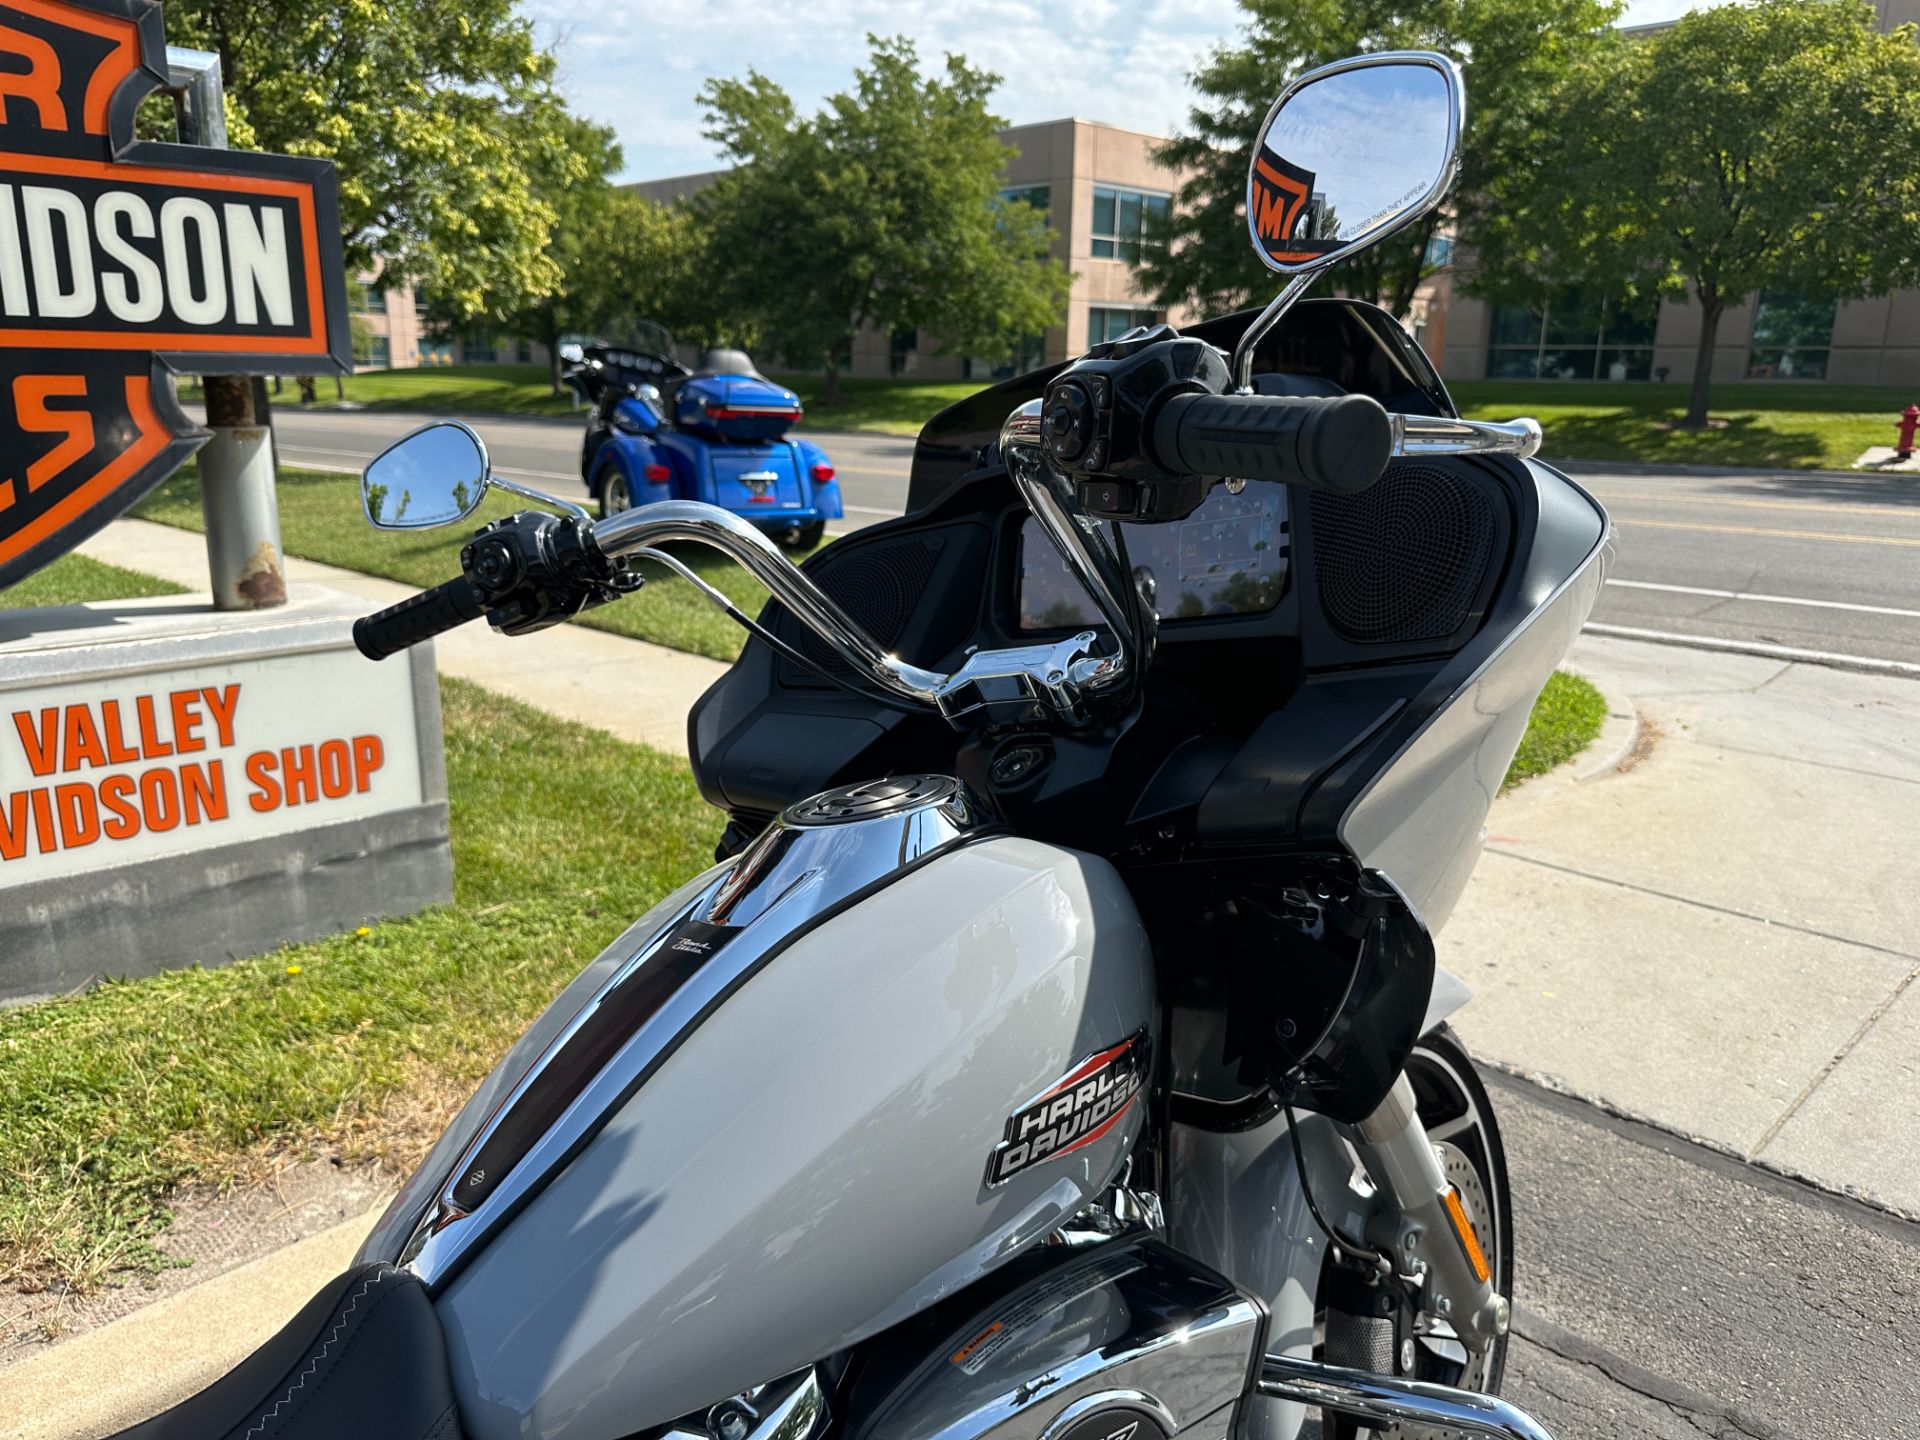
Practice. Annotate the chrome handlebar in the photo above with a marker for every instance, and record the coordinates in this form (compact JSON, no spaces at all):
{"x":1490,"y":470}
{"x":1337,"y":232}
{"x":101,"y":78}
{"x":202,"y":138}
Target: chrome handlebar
{"x":665,"y":521}
{"x":1417,"y":435}
{"x":1021,"y":684}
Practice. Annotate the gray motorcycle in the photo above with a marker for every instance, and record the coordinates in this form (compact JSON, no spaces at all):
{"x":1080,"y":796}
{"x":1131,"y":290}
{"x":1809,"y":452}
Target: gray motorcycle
{"x":1057,"y":1050}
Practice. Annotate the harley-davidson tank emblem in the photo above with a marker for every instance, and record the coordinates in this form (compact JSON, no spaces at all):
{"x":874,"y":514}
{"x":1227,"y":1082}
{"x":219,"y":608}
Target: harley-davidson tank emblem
{"x":1075,"y":1110}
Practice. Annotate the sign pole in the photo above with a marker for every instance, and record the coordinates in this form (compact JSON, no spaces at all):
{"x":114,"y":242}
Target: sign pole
{"x":237,"y":496}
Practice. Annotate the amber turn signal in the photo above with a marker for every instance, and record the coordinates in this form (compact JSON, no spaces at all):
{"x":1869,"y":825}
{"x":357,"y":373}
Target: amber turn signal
{"x":1469,"y":1242}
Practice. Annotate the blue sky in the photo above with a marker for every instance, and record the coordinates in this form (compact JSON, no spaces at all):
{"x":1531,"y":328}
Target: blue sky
{"x":640,"y":67}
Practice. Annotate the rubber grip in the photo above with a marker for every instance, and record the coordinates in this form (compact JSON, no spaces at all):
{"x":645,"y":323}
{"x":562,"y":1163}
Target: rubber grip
{"x":1337,"y":443}
{"x":418,"y":617}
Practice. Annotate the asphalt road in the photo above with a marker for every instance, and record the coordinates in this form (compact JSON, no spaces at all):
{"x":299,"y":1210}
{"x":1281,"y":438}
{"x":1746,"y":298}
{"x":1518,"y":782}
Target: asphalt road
{"x":1664,"y":1292}
{"x":546,"y":453}
{"x":1808,"y":562}
{"x":1805,"y":562}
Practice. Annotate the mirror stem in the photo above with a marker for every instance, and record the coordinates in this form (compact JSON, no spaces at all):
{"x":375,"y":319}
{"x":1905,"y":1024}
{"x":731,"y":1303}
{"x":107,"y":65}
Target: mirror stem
{"x":1242,"y":366}
{"x":540,"y":497}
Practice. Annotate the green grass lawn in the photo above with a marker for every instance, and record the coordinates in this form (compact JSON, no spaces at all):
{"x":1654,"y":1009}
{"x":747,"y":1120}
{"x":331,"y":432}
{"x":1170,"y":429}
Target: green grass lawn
{"x":1565,"y":720}
{"x":891,"y":407}
{"x":75,"y":579}
{"x":362,"y":1042}
{"x":437,"y":389}
{"x":320,"y":519}
{"x":1773,"y":426}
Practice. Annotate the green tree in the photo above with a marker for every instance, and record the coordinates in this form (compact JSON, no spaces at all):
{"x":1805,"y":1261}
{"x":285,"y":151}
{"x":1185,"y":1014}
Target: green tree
{"x":880,"y":210}
{"x":1512,"y":51}
{"x":616,"y":257}
{"x":1768,"y":145}
{"x":438,"y":115}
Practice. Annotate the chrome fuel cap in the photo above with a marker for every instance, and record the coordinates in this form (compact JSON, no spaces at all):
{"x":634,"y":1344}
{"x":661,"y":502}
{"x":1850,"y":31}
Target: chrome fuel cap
{"x":873,"y":800}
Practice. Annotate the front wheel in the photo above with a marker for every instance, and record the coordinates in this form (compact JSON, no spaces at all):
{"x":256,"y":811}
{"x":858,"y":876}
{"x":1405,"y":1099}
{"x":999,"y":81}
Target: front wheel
{"x":1458,"y":1116}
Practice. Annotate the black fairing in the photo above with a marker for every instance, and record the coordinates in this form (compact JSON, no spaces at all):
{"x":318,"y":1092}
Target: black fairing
{"x":1223,"y":794}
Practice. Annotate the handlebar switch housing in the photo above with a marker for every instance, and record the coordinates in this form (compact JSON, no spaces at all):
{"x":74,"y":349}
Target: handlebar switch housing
{"x":1097,"y":423}
{"x":533,"y":570}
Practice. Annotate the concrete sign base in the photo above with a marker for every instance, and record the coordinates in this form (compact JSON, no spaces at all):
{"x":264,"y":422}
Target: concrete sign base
{"x":181,"y":787}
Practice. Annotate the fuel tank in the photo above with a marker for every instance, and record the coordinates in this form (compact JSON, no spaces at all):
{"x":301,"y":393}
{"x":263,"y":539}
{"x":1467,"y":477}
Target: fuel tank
{"x":834,"y":1081}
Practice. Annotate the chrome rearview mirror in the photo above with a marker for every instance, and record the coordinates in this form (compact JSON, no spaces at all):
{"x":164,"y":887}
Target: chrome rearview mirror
{"x":1350,"y":153}
{"x":435,"y":476}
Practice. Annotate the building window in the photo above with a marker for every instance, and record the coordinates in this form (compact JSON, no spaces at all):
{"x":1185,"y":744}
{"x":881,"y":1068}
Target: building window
{"x":436,"y":352}
{"x":1791,"y":334}
{"x":1040,"y":197}
{"x":1110,"y":322}
{"x":1029,"y":354}
{"x":903,"y":352}
{"x":523,"y":352}
{"x":379,"y":353}
{"x":477,"y":348}
{"x":1571,"y":338}
{"x":1119,"y":216}
{"x":364,"y":297}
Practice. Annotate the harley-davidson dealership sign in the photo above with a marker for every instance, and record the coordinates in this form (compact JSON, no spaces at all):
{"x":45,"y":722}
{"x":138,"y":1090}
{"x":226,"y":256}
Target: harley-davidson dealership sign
{"x":118,"y":257}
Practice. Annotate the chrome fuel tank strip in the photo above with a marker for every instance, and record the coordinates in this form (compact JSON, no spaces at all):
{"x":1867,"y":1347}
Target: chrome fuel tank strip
{"x":819,"y":857}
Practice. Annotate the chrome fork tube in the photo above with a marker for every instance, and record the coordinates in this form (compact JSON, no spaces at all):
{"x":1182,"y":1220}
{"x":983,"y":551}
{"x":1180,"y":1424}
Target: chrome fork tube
{"x":1418,"y":1222}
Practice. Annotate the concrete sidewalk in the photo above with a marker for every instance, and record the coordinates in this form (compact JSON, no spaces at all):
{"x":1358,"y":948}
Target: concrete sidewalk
{"x":636,"y":690}
{"x":1722,"y":936}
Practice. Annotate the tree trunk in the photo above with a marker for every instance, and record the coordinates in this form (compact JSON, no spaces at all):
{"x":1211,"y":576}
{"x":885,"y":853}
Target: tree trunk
{"x":1711,"y":308}
{"x":830,"y":395}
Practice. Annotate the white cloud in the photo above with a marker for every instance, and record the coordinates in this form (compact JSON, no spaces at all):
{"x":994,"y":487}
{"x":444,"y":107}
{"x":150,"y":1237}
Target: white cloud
{"x":640,"y":68}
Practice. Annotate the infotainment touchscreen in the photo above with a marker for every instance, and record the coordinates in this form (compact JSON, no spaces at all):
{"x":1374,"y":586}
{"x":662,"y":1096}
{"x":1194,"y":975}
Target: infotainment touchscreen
{"x":1227,"y":558}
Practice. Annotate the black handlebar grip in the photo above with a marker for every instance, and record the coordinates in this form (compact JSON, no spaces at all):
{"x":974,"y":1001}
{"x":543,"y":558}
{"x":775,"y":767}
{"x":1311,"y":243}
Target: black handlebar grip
{"x":1340,"y":444}
{"x":418,"y":617}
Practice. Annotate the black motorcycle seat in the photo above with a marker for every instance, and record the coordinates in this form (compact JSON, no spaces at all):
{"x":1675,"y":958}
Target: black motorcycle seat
{"x":364,"y":1359}
{"x":725,"y":362}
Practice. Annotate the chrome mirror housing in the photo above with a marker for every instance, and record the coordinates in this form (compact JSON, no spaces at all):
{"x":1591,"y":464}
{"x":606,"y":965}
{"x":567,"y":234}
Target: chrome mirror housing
{"x":1349,"y":153}
{"x":438,"y":475}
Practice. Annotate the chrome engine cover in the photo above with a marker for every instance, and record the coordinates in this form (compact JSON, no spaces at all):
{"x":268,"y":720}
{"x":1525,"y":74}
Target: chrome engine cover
{"x":1129,"y":1340}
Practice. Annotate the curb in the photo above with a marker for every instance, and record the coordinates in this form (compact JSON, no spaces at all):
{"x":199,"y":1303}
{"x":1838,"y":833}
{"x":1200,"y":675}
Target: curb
{"x":1619,"y":732}
{"x":100,"y":1382}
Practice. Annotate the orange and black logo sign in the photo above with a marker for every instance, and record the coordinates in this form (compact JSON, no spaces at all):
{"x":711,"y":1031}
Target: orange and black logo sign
{"x":1280,"y":199}
{"x":121,"y":261}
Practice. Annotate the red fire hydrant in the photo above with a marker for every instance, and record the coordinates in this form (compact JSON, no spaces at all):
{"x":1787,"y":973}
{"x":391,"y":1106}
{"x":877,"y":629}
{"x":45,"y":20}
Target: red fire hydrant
{"x":1909,"y":422}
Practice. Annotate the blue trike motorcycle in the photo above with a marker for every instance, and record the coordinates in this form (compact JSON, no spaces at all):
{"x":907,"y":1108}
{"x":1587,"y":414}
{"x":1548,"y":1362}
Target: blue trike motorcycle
{"x":716,"y":433}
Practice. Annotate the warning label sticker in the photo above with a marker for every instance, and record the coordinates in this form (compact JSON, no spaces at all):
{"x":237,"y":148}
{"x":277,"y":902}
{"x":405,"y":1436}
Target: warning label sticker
{"x":1037,"y":1301}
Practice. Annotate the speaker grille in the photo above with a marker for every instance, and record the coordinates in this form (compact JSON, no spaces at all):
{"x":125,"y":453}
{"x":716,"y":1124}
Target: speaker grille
{"x":879,"y":585}
{"x":1403,"y":560}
